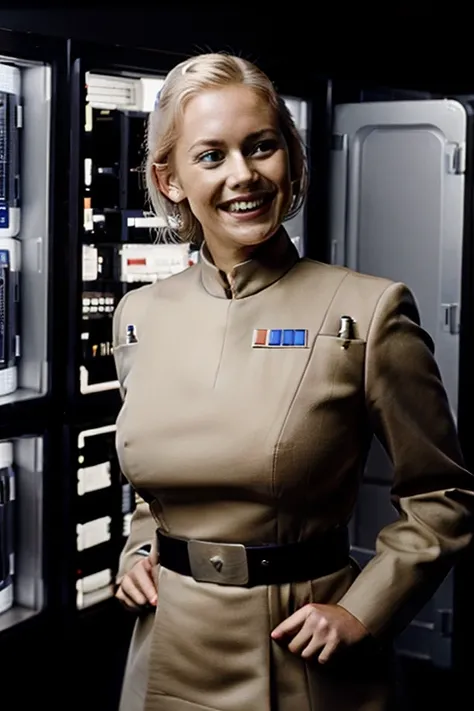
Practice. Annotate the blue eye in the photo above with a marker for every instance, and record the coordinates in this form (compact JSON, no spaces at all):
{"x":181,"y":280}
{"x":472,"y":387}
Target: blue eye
{"x":210,"y":157}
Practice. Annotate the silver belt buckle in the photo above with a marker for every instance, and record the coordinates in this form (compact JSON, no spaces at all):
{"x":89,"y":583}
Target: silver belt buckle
{"x":223,"y":563}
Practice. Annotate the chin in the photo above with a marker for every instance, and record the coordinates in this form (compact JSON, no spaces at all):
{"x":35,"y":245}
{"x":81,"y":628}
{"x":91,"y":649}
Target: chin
{"x":250,"y":242}
{"x":250,"y":233}
{"x":254,"y":236}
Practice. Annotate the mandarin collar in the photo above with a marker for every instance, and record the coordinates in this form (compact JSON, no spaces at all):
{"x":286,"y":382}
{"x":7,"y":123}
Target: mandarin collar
{"x":269,"y":263}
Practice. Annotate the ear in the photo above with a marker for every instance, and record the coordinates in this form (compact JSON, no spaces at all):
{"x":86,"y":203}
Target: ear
{"x":168,"y":183}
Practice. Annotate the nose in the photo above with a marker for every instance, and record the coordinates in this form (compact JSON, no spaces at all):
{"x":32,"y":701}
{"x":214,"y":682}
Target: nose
{"x":241,"y":171}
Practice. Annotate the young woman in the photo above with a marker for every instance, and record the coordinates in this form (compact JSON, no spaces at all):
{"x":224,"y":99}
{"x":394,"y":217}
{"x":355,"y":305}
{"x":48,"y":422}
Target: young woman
{"x":252,"y":390}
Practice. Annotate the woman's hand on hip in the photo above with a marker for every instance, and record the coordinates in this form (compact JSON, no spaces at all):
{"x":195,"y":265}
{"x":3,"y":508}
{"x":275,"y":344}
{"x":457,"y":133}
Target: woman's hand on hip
{"x":320,"y":630}
{"x":138,"y":587}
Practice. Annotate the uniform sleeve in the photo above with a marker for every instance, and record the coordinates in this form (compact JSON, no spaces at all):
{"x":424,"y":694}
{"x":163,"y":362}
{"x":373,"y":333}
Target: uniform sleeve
{"x":432,"y":491}
{"x":141,"y":539}
{"x":142,"y":536}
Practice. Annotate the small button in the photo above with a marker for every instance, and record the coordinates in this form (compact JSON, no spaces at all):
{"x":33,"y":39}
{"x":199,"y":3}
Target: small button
{"x":265,"y":563}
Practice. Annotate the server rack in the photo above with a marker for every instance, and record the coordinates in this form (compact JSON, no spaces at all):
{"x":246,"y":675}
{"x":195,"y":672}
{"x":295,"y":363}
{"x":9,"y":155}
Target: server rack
{"x":33,"y":218}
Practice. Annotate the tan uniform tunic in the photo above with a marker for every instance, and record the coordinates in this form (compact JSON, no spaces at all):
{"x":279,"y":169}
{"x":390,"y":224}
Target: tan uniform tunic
{"x":266,"y":445}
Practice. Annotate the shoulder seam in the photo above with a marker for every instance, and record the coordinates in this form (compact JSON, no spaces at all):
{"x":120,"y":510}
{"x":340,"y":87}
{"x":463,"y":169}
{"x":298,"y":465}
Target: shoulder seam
{"x":391,"y":285}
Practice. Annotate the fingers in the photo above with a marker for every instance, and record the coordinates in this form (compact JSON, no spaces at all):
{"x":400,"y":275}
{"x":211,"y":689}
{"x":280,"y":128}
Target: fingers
{"x":311,"y":632}
{"x":131,"y":599}
{"x":138,"y":587}
{"x":301,"y":640}
{"x":132,"y":593}
{"x":292,"y":624}
{"x":143,"y":578}
{"x":330,"y":648}
{"x":318,"y":633}
{"x":314,"y":635}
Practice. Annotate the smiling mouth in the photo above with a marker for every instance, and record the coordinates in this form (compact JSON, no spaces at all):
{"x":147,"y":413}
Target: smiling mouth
{"x":238,"y":207}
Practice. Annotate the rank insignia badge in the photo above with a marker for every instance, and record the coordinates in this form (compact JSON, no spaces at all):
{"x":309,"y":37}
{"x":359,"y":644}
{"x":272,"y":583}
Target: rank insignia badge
{"x":280,"y":338}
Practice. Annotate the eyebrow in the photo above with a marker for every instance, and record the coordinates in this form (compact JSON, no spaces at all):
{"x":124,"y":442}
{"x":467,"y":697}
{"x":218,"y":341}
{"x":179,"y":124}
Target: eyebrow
{"x":215,"y":143}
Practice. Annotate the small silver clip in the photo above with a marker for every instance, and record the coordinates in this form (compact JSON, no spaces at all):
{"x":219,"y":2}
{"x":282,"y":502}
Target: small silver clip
{"x":131,"y":335}
{"x":346,"y":330}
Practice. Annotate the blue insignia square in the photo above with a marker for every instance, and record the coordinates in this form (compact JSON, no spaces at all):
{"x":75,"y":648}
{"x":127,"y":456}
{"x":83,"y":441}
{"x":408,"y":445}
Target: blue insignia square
{"x":288,"y":337}
{"x":275,"y":337}
{"x":300,"y":337}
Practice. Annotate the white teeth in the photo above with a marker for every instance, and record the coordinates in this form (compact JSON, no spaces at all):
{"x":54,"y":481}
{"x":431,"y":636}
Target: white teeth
{"x":245,"y":206}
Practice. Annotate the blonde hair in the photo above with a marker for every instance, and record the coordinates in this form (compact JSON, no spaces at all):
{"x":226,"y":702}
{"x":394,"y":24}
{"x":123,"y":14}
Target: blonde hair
{"x":211,"y":71}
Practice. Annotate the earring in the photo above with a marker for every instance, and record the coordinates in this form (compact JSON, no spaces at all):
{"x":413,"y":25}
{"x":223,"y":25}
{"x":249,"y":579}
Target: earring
{"x":294,"y":186}
{"x":175,"y":221}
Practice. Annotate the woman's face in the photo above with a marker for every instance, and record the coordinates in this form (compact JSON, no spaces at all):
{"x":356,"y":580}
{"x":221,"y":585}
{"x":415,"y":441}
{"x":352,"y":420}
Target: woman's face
{"x":231,"y":163}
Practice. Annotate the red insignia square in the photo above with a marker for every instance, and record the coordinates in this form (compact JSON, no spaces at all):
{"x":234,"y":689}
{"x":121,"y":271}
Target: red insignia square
{"x":261,"y":337}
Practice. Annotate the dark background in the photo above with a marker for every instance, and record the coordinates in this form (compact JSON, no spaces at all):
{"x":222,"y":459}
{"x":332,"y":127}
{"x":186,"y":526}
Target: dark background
{"x":426,"y":46}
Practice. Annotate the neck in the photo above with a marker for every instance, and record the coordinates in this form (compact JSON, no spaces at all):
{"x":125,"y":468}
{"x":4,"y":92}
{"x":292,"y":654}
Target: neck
{"x":226,"y":257}
{"x":241,"y":273}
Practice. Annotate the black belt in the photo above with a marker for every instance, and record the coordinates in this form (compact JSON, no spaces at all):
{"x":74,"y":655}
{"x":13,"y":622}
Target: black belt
{"x":235,"y":564}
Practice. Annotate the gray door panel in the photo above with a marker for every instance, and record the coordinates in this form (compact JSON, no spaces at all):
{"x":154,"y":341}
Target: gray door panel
{"x":397,"y":201}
